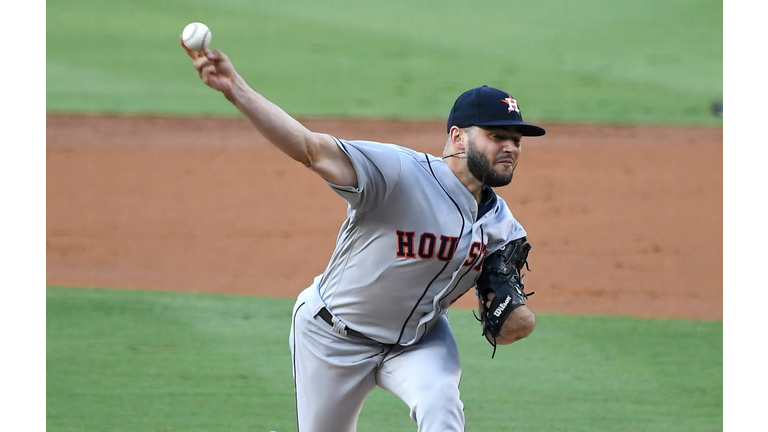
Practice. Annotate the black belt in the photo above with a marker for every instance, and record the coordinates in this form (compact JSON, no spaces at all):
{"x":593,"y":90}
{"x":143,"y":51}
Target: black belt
{"x":327,"y":317}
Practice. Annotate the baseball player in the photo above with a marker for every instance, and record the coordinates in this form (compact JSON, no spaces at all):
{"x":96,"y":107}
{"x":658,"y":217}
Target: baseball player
{"x":420,"y":232}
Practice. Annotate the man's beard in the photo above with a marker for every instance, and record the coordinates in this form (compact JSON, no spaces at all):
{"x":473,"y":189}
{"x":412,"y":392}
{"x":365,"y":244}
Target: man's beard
{"x":481,"y":168}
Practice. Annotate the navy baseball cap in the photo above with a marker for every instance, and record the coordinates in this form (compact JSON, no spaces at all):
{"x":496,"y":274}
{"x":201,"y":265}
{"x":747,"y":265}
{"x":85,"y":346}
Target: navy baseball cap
{"x":488,"y":106}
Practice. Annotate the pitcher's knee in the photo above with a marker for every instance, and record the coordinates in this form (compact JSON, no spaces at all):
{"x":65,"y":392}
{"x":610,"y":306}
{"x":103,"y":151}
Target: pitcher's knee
{"x":440,"y":408}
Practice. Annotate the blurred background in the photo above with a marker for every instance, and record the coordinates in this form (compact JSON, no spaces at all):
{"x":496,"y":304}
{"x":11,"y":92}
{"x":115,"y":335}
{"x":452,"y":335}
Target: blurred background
{"x":655,"y":61}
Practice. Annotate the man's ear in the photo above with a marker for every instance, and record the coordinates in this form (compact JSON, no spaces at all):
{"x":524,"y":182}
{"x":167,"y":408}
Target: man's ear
{"x":457,"y":137}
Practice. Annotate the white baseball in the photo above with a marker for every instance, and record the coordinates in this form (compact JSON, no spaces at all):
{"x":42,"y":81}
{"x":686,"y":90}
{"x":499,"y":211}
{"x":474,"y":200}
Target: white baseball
{"x":196,"y":36}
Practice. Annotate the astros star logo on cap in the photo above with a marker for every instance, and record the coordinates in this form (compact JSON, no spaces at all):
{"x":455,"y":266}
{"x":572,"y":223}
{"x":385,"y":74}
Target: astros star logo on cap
{"x":512,"y":104}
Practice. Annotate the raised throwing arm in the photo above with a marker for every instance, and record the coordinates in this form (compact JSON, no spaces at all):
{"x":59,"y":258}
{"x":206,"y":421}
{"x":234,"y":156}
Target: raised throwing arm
{"x":316,"y":151}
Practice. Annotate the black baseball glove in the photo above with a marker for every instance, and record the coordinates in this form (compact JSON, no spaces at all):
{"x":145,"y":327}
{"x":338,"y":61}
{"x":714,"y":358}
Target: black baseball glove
{"x":501,"y":276}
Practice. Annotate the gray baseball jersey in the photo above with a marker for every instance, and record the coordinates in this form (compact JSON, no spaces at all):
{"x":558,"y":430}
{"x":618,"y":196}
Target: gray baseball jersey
{"x":411,"y":245}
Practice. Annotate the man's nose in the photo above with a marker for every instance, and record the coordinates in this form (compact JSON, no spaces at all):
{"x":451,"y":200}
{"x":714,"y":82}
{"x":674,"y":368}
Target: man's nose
{"x":510,"y":147}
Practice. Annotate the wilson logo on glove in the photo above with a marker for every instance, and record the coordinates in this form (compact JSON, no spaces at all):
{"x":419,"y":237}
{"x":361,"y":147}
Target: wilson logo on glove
{"x":499,"y":310}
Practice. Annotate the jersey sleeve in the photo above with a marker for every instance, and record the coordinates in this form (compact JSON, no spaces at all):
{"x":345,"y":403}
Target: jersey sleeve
{"x":377,"y":167}
{"x":516,"y":232}
{"x":503,"y":228}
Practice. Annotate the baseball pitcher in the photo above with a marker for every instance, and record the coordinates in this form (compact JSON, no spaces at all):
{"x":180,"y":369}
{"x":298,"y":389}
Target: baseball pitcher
{"x":420,"y":232}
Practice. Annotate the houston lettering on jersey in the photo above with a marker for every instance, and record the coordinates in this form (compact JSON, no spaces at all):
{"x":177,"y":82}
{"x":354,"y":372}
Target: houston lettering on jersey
{"x":429,"y":246}
{"x":476,"y":256}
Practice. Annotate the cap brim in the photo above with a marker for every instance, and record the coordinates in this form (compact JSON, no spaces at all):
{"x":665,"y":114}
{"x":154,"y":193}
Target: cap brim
{"x":526,"y":129}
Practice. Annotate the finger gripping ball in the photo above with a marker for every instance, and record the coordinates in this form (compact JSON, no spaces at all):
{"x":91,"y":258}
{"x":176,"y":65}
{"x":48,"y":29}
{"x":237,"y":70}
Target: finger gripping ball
{"x":196,"y":36}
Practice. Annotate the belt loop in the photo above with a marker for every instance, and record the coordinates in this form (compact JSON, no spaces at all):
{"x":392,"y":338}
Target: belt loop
{"x":338,"y":326}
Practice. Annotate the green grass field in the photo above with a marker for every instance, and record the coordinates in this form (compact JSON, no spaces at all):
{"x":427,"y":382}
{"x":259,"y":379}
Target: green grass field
{"x":121,"y":360}
{"x":651,"y":61}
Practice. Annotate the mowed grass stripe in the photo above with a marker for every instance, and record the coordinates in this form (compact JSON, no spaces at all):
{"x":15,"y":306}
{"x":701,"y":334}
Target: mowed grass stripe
{"x":652,"y":61}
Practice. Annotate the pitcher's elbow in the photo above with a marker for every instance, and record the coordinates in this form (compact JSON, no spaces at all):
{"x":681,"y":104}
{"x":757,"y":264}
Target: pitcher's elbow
{"x":518,"y":325}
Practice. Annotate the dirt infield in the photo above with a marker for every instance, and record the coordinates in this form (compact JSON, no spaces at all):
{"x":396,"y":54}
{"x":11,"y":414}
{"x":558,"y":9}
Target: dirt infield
{"x":623,"y":220}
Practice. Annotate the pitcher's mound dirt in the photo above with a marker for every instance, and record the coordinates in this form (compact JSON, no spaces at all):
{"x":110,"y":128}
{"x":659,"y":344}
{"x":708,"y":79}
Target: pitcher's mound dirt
{"x":623,"y":220}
